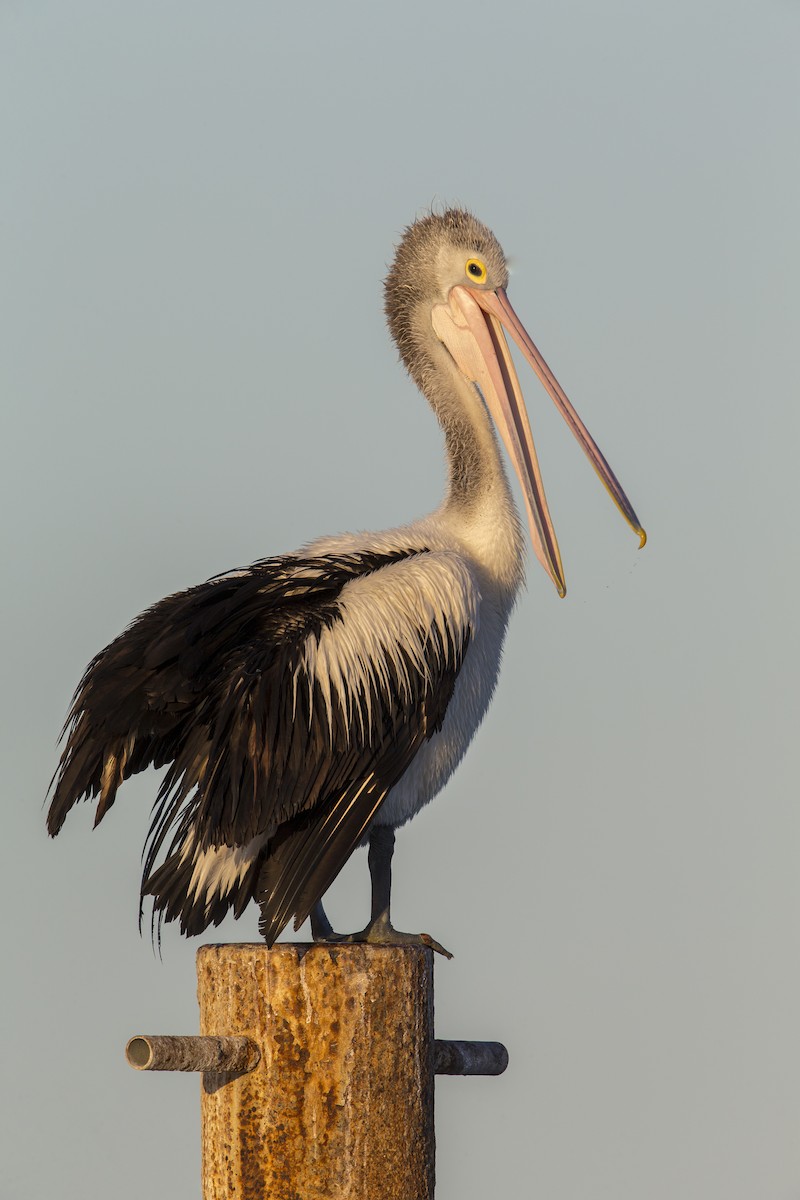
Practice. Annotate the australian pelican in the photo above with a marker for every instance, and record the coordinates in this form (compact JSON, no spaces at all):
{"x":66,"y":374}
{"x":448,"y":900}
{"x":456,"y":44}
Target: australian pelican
{"x":312,"y":702}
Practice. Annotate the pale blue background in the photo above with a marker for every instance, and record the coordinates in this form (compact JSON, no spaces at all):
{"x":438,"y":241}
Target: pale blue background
{"x":199,"y":201}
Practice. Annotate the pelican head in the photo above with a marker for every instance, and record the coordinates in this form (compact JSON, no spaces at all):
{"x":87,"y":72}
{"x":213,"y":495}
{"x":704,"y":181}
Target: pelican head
{"x":447,"y":287}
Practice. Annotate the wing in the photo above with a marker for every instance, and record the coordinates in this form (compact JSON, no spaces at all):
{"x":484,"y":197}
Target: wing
{"x":379,"y":684}
{"x":147,"y":696}
{"x":288,"y":700}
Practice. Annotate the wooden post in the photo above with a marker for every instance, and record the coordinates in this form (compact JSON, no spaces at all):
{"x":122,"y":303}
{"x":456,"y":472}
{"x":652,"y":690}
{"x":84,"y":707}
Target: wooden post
{"x":317,"y":1065}
{"x":340,"y":1106}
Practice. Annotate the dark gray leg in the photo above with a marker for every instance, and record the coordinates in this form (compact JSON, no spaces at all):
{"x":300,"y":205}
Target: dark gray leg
{"x":380,"y":931}
{"x":379,"y":858}
{"x":321,"y":928}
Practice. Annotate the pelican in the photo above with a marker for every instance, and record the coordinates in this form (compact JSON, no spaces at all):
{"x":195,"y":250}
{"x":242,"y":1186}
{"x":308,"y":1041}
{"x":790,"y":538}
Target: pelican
{"x":316,"y":701}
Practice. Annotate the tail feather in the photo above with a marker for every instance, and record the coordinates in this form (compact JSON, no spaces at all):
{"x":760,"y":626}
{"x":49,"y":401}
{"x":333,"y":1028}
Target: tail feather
{"x":307,"y":854}
{"x":200,"y":887}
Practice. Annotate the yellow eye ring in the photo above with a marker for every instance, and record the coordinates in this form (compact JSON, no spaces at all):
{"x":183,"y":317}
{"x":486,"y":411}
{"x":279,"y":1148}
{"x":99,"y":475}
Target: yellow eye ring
{"x":475,"y":270}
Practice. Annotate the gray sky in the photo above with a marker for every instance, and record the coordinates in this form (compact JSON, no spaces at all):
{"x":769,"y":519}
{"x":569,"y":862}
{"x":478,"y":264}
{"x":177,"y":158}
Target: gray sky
{"x":199,"y":202}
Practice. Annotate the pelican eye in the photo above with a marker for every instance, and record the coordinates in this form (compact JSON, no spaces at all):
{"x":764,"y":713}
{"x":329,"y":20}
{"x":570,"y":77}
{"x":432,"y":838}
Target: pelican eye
{"x":476,"y":270}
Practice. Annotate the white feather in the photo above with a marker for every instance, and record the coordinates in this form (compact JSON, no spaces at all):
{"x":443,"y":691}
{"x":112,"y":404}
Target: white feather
{"x":217,"y":870}
{"x":467,"y":583}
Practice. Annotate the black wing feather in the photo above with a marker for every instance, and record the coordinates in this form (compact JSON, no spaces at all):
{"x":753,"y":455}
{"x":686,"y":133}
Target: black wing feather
{"x":142,"y":697}
{"x":209,"y":681}
{"x":308,"y":852}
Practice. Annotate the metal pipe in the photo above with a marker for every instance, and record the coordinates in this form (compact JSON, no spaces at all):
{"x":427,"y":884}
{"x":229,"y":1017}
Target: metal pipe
{"x":469,"y":1058}
{"x":156,"y":1052}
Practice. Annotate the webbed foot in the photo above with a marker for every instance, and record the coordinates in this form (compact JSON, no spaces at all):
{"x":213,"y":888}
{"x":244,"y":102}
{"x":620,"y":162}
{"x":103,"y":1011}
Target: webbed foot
{"x":379,"y":932}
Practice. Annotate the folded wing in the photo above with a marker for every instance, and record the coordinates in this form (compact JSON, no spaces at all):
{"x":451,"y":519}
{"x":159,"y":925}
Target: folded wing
{"x":288,"y":699}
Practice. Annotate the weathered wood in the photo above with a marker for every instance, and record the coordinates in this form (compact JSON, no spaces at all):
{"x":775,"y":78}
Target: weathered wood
{"x":166,"y":1052}
{"x":341,"y":1105}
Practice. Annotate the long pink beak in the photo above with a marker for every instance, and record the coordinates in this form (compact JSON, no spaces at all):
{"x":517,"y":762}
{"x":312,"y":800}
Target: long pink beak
{"x":471,"y":326}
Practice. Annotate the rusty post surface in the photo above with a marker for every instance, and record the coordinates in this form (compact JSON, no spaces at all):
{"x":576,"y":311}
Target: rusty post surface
{"x":341,"y":1103}
{"x":164,"y":1052}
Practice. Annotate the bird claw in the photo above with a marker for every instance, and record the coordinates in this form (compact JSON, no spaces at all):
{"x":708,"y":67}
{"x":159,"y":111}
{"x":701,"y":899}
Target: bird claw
{"x":427,"y":940}
{"x":382,"y":935}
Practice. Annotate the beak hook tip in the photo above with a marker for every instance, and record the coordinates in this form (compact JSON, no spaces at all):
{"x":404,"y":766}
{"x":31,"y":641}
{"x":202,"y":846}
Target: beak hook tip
{"x":642,"y":538}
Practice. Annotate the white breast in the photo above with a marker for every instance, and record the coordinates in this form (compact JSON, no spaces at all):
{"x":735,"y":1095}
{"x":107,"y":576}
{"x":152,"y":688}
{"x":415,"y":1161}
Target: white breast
{"x":490,"y":563}
{"x":439,"y":757}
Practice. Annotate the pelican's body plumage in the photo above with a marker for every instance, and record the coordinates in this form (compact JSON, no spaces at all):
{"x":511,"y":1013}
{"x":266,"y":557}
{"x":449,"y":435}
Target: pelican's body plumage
{"x":462,"y":580}
{"x":314,"y":701}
